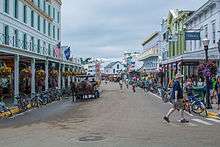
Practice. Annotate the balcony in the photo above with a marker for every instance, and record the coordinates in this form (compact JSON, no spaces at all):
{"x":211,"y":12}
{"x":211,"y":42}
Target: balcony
{"x":18,"y":44}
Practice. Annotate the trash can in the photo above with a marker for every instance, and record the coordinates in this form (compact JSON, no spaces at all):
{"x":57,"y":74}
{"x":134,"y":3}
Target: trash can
{"x":200,"y":92}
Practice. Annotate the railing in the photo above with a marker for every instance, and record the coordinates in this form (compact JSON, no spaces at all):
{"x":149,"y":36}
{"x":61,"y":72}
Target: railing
{"x":12,"y":41}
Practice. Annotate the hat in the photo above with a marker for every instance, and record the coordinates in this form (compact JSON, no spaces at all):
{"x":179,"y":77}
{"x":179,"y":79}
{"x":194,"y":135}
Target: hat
{"x":179,"y":75}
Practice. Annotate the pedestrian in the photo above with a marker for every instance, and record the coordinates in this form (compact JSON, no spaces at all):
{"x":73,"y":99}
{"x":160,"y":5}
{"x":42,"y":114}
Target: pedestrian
{"x":120,"y":83}
{"x":176,"y":99}
{"x":218,"y":91}
{"x":200,"y":83}
{"x":134,"y":86}
{"x":73,"y":88}
{"x":127,"y":83}
{"x":213,"y":91}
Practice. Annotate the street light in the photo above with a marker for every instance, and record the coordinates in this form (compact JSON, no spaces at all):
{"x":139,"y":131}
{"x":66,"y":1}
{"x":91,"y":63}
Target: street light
{"x":206,"y":47}
{"x":208,"y":86}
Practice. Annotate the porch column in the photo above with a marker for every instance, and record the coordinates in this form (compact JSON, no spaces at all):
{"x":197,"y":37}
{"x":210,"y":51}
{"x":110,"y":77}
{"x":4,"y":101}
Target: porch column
{"x":59,"y":76}
{"x":68,"y":78}
{"x":33,"y":76}
{"x":63,"y":78}
{"x":16,"y":75}
{"x":46,"y":75}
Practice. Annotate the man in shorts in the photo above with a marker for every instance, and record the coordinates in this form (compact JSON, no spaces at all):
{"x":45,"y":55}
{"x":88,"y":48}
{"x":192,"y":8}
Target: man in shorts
{"x":177,"y":99}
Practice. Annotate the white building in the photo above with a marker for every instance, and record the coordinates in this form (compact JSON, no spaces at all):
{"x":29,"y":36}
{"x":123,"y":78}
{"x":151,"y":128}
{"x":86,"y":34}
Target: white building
{"x":114,"y":68}
{"x":206,"y":20}
{"x":151,"y":55}
{"x":30,"y":33}
{"x":164,"y":39}
{"x":131,"y":61}
{"x":90,"y":68}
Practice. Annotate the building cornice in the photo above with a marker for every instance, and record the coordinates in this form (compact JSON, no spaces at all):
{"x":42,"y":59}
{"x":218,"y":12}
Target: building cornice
{"x":200,"y":10}
{"x":37,"y":9}
{"x":150,"y":38}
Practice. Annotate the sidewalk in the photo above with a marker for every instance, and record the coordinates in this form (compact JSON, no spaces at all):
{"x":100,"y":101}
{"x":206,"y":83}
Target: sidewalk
{"x":214,"y":112}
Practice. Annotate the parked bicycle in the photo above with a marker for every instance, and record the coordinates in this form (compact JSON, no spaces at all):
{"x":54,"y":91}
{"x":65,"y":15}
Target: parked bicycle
{"x":194,"y":104}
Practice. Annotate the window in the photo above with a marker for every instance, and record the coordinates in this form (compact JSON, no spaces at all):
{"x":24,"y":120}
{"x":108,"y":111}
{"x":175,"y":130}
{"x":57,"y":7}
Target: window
{"x":49,"y":29}
{"x":32,"y":18}
{"x":16,"y":38}
{"x":49,"y":49}
{"x":6,"y":34}
{"x":49,"y":11}
{"x":200,"y":41}
{"x":58,"y":34}
{"x":38,"y":3}
{"x":38,"y":23}
{"x":213,"y":33}
{"x":38,"y":46}
{"x":6,"y":6}
{"x":44,"y":6}
{"x":206,"y":31}
{"x":190,"y":45}
{"x":32,"y":44}
{"x":118,"y":66}
{"x":58,"y":17}
{"x":16,"y":8}
{"x":53,"y":32}
{"x":53,"y":13}
{"x":44,"y":48}
{"x":25,"y":41}
{"x":113,"y":70}
{"x":44,"y":29}
{"x":195,"y":45}
{"x":25,"y":14}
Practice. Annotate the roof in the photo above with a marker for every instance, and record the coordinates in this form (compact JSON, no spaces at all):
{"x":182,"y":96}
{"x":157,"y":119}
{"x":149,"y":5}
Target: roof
{"x":150,"y":38}
{"x":200,"y":10}
{"x":112,"y":64}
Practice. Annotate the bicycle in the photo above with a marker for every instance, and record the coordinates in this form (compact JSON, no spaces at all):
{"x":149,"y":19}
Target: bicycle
{"x":195,"y":105}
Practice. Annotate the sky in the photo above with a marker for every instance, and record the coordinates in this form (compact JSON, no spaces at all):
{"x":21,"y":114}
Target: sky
{"x":107,"y":28}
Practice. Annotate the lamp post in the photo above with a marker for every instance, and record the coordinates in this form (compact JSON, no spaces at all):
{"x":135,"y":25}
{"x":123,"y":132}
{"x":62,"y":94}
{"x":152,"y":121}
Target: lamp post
{"x":208,"y":86}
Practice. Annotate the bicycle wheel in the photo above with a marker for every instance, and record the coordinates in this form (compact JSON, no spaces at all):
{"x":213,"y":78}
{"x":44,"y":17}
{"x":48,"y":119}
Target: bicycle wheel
{"x":198,"y":108}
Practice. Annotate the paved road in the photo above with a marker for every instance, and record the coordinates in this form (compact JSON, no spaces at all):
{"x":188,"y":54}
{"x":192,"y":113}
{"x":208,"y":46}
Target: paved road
{"x":118,"y":118}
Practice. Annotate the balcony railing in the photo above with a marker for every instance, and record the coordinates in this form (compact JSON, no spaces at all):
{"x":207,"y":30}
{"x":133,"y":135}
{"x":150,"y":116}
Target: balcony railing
{"x":14,"y":42}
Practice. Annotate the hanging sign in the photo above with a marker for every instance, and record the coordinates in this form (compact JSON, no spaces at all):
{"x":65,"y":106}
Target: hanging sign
{"x":192,"y":36}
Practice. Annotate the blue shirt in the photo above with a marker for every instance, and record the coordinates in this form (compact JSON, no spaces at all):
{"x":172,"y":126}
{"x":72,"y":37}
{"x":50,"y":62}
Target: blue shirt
{"x":177,"y":87}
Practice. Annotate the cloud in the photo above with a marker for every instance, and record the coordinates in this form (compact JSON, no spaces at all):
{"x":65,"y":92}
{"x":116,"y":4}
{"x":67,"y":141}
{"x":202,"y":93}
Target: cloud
{"x":105,"y":28}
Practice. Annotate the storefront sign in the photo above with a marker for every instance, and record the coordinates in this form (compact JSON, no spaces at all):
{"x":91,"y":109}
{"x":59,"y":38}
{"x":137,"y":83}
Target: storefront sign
{"x":192,"y":36}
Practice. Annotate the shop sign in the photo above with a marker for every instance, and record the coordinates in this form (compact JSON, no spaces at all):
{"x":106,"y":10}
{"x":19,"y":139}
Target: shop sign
{"x":192,"y":36}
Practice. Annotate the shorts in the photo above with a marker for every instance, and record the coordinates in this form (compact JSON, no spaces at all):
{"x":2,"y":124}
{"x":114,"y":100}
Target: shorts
{"x":178,"y":105}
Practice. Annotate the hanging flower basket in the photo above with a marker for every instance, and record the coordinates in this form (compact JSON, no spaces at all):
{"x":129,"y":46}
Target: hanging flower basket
{"x":40,"y":74}
{"x":207,"y":70}
{"x":5,"y":71}
{"x":54,"y":73}
{"x":67,"y":73}
{"x":26,"y":73}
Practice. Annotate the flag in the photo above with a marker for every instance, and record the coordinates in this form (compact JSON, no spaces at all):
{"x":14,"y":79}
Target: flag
{"x":67,"y":53}
{"x":57,"y":50}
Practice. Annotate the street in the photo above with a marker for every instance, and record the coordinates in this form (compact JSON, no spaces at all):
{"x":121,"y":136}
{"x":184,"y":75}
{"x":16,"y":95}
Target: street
{"x":118,"y":118}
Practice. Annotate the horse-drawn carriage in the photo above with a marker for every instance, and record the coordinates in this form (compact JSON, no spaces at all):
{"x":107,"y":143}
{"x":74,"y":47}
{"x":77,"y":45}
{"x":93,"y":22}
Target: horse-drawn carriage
{"x":86,"y":89}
